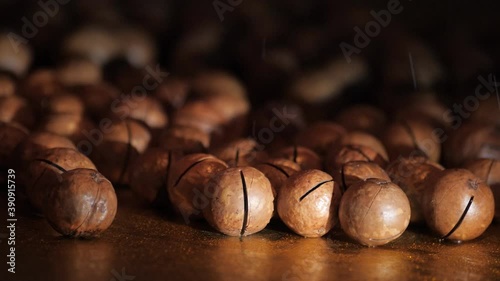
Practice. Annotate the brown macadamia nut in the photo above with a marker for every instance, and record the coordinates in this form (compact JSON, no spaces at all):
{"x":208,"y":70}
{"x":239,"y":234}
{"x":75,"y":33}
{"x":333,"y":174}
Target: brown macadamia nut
{"x":99,"y":99}
{"x":277,"y":172}
{"x":15,"y":56}
{"x":471,"y":141}
{"x":308,"y":203}
{"x":7,"y":86}
{"x":338,"y":156}
{"x":217,"y":83}
{"x":137,"y":46}
{"x":355,"y":171}
{"x":363,"y":117}
{"x":16,"y":109}
{"x":11,"y":135}
{"x":326,"y":83}
{"x":424,"y":106}
{"x":149,"y":174}
{"x":46,"y":170}
{"x":366,"y":139}
{"x":173,"y":92}
{"x":120,"y":145}
{"x":241,"y":152}
{"x":36,"y":143}
{"x":320,"y":136}
{"x":79,"y":72}
{"x":411,"y":174}
{"x":489,"y":171}
{"x":184,"y":139}
{"x":412,"y":138}
{"x":82,"y":204}
{"x":65,"y":103}
{"x":374,"y":212}
{"x":240,"y":201}
{"x":188,"y":178}
{"x":200,"y":115}
{"x":74,"y":127}
{"x":457,"y":205}
{"x":41,"y":84}
{"x":98,"y":44}
{"x":230,"y":107}
{"x":148,"y":110}
{"x":306,"y":158}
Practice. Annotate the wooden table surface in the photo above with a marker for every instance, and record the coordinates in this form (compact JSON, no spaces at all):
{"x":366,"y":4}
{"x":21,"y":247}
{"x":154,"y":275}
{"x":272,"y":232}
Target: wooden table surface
{"x":146,"y":244}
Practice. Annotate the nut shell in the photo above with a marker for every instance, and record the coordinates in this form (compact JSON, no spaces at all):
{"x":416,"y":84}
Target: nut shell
{"x":489,"y":171}
{"x":308,"y":203}
{"x":458,"y":205}
{"x":241,"y":203}
{"x":188,"y":178}
{"x":83,"y":204}
{"x":355,"y":171}
{"x":47,"y":168}
{"x":374,"y":212}
{"x":411,"y":174}
{"x":305,"y":157}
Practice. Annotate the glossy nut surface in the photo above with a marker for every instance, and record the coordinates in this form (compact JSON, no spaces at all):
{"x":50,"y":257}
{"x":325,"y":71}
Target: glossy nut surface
{"x":458,"y":205}
{"x":308,"y":203}
{"x":83,"y":204}
{"x":241,"y":201}
{"x":374,"y":212}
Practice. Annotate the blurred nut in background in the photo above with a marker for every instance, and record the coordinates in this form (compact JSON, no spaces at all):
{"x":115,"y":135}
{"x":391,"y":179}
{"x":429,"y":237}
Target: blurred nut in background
{"x":412,"y":138}
{"x":366,"y":139}
{"x":241,"y":152}
{"x":338,"y":156}
{"x":320,"y":136}
{"x":16,"y":109}
{"x":184,"y":139}
{"x":79,"y":72}
{"x":364,"y":118}
{"x":306,"y":158}
{"x":7,"y":85}
{"x":14,"y":57}
{"x":188,"y":178}
{"x":149,"y":174}
{"x":411,"y":175}
{"x":471,"y":141}
{"x":120,"y":144}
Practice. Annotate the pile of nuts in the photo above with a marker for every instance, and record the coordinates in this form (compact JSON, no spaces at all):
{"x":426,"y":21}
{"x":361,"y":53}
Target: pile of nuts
{"x":202,"y":144}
